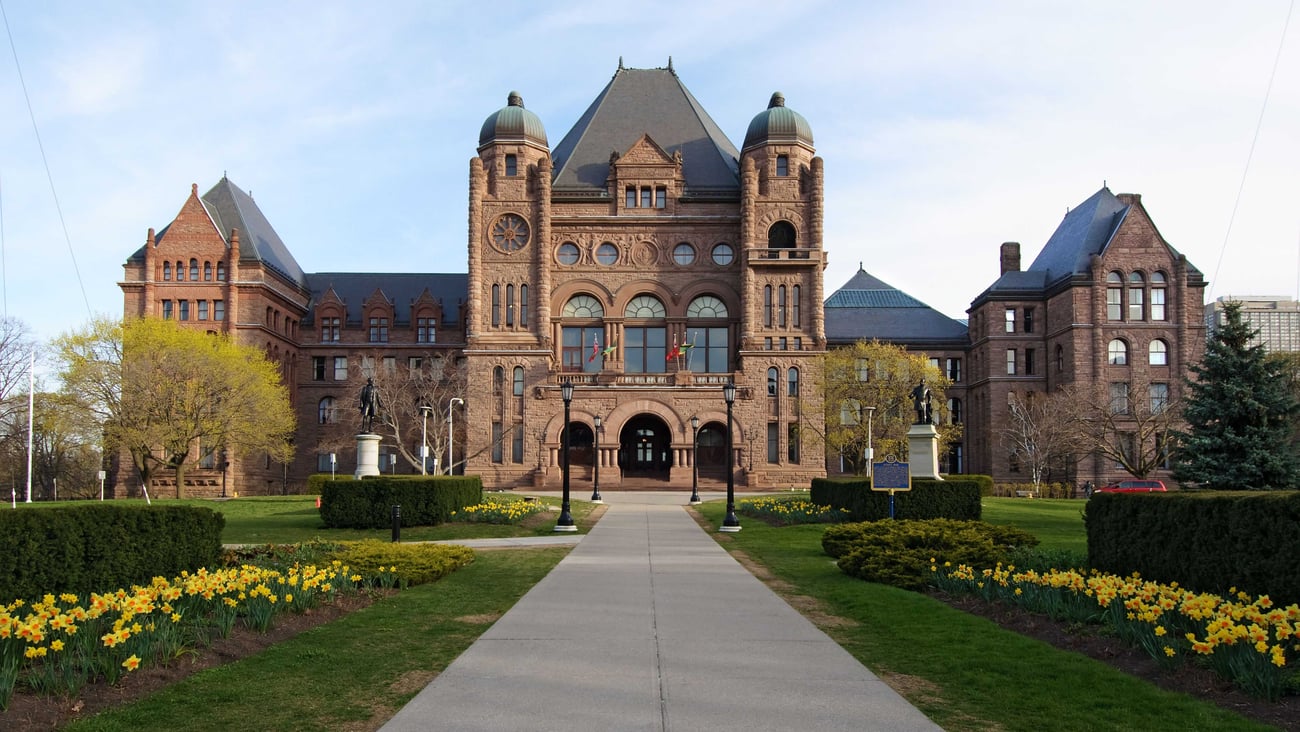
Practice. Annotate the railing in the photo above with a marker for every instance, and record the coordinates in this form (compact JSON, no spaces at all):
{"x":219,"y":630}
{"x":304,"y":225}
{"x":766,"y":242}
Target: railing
{"x":794,"y":256}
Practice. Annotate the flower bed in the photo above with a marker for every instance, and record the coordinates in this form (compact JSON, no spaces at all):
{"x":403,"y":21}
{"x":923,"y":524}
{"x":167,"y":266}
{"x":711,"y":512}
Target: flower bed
{"x":498,"y":511}
{"x":784,"y":511}
{"x":1251,"y":643}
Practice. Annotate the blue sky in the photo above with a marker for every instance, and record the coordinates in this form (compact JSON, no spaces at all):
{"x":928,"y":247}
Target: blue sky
{"x":947,"y":128}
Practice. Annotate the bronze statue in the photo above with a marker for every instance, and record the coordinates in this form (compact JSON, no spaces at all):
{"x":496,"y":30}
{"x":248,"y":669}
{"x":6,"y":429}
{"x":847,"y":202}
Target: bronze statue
{"x":921,"y":402}
{"x":369,"y":404}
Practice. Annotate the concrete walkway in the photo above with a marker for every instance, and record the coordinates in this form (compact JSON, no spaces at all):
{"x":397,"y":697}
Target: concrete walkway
{"x":649,"y":625}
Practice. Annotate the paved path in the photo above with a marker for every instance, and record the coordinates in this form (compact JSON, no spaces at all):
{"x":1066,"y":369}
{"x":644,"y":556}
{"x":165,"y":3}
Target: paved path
{"x":649,"y":625}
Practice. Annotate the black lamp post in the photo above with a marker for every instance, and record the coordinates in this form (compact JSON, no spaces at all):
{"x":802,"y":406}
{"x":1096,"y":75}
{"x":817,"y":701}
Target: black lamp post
{"x":565,"y":522}
{"x":695,"y":461}
{"x":595,"y":475}
{"x":730,"y":524}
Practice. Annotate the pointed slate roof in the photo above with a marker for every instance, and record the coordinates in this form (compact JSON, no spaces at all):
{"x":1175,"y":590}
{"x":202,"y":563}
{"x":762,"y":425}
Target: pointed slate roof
{"x":867,"y":308}
{"x":232,"y":208}
{"x":652,"y":102}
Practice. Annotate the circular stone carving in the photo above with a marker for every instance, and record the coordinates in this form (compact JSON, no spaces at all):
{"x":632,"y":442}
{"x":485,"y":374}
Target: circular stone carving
{"x":510,"y":232}
{"x":645,"y":254}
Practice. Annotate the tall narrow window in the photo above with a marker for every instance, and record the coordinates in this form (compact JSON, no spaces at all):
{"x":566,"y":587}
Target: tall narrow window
{"x":1029,"y":361}
{"x":517,"y":387}
{"x":1157,"y":296}
{"x":767,"y":306}
{"x":773,"y":443}
{"x":1060,"y":359}
{"x":498,"y":380}
{"x":497,"y":452}
{"x":954,"y":411}
{"x":194,"y":270}
{"x":496,"y":306}
{"x":792,"y":383}
{"x":1114,"y":296}
{"x":1159,"y":395}
{"x":794,"y":306}
{"x":512,"y":165}
{"x":180,"y":271}
{"x":340,"y":368}
{"x":645,"y":197}
{"x":510,"y":305}
{"x":954,"y":370}
{"x":630,"y":198}
{"x":661,"y":197}
{"x":1011,"y":361}
{"x":780,"y":306}
{"x":1137,"y":286}
{"x":221,"y":271}
{"x":772,"y":376}
{"x":203,"y":309}
{"x":523,"y":306}
{"x":792,"y":443}
{"x":1029,"y":320}
{"x":318,"y":368}
{"x":167,"y":271}
{"x":325,"y":410}
{"x":1119,"y":397}
{"x":184,"y":309}
{"x":1011,"y":320}
{"x":218,"y":309}
{"x":517,"y":444}
{"x":207,"y":271}
{"x":167,"y":309}
{"x":782,"y":165}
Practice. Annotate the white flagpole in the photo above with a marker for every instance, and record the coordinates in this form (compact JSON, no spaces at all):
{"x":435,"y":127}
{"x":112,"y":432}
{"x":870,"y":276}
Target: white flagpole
{"x":31,"y":420}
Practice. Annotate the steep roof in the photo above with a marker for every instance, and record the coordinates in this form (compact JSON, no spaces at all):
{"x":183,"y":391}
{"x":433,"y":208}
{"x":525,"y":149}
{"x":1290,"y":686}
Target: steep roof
{"x":402,"y":289}
{"x":652,"y":102}
{"x":867,"y":308}
{"x":232,"y":208}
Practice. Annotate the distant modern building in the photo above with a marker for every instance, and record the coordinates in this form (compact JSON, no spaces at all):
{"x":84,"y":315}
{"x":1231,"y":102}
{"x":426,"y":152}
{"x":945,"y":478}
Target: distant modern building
{"x":1276,"y":318}
{"x":648,"y":261}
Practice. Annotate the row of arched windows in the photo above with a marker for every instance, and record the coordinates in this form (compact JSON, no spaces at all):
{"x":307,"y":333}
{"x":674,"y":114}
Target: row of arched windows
{"x":1117,"y":353}
{"x":1136,"y":297}
{"x":193,"y":271}
{"x":643,"y":340}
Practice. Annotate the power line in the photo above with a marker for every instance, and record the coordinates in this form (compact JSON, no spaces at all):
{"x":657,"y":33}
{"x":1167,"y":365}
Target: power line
{"x":1258,"y":124}
{"x":41,"y":146}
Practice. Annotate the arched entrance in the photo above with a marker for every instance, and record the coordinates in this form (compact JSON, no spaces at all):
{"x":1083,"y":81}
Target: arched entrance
{"x":644,"y":448}
{"x":580,"y":444}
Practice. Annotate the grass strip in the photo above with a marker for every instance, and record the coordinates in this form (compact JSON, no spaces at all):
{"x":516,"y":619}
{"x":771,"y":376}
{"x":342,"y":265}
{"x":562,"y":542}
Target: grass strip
{"x":963,"y":671}
{"x":354,"y":673}
{"x":1057,"y":522}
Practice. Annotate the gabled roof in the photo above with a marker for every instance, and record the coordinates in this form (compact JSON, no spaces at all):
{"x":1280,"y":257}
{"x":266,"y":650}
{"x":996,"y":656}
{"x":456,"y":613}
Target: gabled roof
{"x":1086,"y":230}
{"x":232,"y":208}
{"x":866,"y":308}
{"x":401,"y":288}
{"x":653,"y":102}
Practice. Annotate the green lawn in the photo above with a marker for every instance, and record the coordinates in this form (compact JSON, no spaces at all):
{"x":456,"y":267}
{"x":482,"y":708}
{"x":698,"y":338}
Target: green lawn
{"x":1057,"y":522}
{"x":354,"y":673}
{"x":964,"y":671}
{"x":294,"y":519}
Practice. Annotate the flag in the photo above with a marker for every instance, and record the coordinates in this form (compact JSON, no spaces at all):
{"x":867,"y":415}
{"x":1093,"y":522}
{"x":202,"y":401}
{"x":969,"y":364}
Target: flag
{"x":609,"y":350}
{"x":686,"y":349}
{"x":676,"y":351}
{"x":595,"y":349}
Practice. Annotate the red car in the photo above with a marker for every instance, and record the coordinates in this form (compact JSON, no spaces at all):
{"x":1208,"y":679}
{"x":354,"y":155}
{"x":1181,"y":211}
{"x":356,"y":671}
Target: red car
{"x":1133,"y":486}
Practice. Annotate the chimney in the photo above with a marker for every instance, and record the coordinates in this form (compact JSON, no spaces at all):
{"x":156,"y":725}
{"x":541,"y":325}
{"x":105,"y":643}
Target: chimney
{"x":1010,"y":257}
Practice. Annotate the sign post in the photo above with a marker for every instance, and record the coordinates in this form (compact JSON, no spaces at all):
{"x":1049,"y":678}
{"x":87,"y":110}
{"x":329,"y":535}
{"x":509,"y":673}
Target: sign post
{"x":891,"y":476}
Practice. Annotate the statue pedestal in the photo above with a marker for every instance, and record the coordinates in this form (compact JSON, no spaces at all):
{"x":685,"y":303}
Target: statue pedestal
{"x":923,"y":451}
{"x":367,"y":455}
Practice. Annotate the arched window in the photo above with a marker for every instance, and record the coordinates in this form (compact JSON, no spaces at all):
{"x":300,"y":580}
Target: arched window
{"x":792,"y":382}
{"x":167,"y":271}
{"x":1158,"y":353}
{"x":498,"y":380}
{"x":510,"y":305}
{"x":780,"y":306}
{"x":645,"y":336}
{"x":781,"y":235}
{"x":1158,"y":283}
{"x":325,"y":410}
{"x":518,"y":389}
{"x":1118,"y":353}
{"x":580,"y":346}
{"x":1136,"y":291}
{"x":707,"y":344}
{"x":194,"y":270}
{"x":772,"y":378}
{"x":207,"y":271}
{"x":221,"y":271}
{"x":180,"y":271}
{"x":1114,"y":296}
{"x":767,"y":306}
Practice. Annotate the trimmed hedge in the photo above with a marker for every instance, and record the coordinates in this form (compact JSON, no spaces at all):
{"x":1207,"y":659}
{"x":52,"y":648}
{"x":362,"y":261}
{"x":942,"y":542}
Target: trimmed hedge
{"x":347,"y":503}
{"x":97,"y":547}
{"x":956,"y":497}
{"x":1206,"y":541}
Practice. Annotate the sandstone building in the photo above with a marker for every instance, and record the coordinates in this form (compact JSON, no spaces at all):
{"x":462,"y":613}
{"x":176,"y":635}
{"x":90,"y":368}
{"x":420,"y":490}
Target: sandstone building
{"x":648,"y":260}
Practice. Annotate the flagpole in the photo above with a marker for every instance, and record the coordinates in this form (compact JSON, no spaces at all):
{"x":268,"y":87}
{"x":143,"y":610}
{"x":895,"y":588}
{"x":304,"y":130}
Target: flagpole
{"x":31,"y":421}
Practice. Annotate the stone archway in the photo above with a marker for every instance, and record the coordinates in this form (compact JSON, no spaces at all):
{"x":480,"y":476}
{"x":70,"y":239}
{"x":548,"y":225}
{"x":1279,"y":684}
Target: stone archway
{"x":645,"y":448}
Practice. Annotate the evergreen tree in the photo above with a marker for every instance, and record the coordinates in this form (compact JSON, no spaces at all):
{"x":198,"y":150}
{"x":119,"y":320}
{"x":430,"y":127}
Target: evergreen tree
{"x":1238,"y":416}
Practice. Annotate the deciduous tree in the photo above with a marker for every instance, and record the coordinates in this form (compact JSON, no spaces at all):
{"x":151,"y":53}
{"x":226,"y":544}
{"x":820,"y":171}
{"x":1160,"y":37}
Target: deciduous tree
{"x":166,"y":393}
{"x":882,"y":376}
{"x":1043,"y":431}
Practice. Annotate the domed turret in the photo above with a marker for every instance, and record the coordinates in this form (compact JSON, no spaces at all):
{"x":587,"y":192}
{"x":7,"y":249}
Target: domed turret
{"x":778,"y":123}
{"x":513,"y":123}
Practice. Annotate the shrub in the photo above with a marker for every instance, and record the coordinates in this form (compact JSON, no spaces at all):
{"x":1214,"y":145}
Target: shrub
{"x":955,"y":497}
{"x":412,"y":564}
{"x":901,"y":553}
{"x":347,"y":503}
